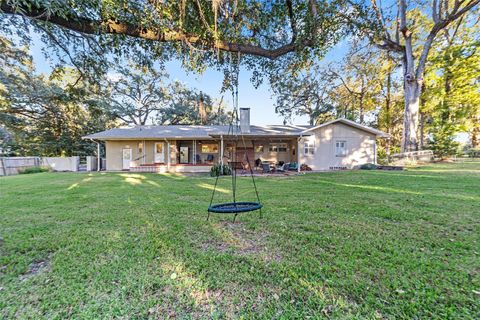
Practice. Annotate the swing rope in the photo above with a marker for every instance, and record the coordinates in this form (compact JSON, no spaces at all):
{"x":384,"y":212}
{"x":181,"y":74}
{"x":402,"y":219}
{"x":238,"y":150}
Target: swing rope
{"x":235,"y":131}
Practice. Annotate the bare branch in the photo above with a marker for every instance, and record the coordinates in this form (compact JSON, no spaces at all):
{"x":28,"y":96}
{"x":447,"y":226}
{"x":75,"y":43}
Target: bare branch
{"x":380,"y":18}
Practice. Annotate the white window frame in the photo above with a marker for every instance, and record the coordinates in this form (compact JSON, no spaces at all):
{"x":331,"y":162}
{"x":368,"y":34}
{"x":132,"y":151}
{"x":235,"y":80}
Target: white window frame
{"x":309,"y":148}
{"x":340,"y":150}
{"x":275,"y":147}
{"x":215,"y":146}
{"x":259,"y":148}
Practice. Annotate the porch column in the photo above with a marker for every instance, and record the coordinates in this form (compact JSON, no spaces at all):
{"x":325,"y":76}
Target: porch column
{"x":298,"y":153}
{"x":221,"y":150}
{"x":194,"y":160}
{"x":168,"y":156}
{"x":99,"y":160}
{"x":144,"y":155}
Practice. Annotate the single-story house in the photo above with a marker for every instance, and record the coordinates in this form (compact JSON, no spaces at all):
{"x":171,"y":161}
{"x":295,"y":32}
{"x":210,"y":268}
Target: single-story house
{"x":338,"y":144}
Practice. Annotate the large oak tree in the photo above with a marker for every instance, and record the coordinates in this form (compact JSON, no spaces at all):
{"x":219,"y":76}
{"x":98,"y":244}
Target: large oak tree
{"x":393,"y":28}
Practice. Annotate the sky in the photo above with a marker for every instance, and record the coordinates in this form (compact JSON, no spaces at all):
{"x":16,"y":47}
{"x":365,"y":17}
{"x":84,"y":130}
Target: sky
{"x":260,"y":101}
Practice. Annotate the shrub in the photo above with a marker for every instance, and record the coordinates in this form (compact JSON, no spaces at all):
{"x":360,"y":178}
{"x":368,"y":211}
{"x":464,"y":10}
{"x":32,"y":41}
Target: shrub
{"x":368,"y":166}
{"x":216,"y":170}
{"x":473,"y":152}
{"x":305,"y":167}
{"x":33,"y":170}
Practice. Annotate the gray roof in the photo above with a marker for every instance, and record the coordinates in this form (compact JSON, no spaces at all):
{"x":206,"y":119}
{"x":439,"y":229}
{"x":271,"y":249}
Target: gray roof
{"x":206,"y":132}
{"x":192,"y":131}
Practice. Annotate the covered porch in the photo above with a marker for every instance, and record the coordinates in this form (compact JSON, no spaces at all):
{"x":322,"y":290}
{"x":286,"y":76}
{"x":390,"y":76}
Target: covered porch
{"x":172,"y":156}
{"x":200,"y":155}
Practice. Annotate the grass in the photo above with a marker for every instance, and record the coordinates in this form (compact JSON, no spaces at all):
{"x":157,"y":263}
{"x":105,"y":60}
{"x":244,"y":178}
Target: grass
{"x":354,"y":244}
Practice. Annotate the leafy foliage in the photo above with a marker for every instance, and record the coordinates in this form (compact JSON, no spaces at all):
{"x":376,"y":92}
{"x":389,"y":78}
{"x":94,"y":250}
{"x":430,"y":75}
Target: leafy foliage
{"x":199,"y":33}
{"x":31,"y":170}
{"x":220,"y":170}
{"x":135,"y":94}
{"x":452,"y":86}
{"x":303,"y":92}
{"x":188,"y":106}
{"x":46,"y":116}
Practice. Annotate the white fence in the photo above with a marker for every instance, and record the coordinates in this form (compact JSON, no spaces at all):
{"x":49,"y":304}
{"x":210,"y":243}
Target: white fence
{"x":61,"y":163}
{"x":421,"y":155}
{"x":92,"y":163}
{"x":12,"y":165}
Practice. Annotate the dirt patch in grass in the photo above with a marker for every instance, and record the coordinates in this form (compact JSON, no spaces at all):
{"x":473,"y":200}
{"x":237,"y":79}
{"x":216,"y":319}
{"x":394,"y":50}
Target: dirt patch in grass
{"x":239,"y":240}
{"x":37,"y":267}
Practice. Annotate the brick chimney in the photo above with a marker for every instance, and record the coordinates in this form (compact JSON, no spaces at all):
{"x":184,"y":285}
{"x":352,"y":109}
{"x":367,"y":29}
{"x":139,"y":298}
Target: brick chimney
{"x":202,"y":111}
{"x":245,"y":120}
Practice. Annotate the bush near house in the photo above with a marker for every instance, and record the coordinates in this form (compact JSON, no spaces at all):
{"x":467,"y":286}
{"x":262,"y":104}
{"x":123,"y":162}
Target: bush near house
{"x":341,"y":245}
{"x":219,"y":169}
{"x":473,"y":152}
{"x":36,"y":169}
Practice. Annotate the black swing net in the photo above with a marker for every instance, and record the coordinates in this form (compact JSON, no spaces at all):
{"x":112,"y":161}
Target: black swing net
{"x":238,"y":161}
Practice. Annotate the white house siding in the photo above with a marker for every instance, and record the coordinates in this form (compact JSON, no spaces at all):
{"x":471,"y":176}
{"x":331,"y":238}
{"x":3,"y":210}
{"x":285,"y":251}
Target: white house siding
{"x":360,"y":147}
{"x":114,"y":148}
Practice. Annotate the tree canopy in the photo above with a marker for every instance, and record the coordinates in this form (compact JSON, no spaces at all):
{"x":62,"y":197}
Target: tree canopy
{"x":45,"y":115}
{"x":198,"y":32}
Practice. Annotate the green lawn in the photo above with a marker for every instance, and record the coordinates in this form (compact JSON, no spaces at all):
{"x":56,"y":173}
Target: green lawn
{"x":356,"y":244}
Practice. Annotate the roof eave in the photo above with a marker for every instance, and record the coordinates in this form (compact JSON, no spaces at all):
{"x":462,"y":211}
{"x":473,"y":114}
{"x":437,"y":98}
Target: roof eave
{"x":377,"y":133}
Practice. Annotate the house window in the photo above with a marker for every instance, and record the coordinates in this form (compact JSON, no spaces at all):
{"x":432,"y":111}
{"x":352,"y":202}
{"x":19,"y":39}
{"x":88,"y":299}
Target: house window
{"x":259,"y":149}
{"x":341,"y":148}
{"x":209,"y":148}
{"x":309,"y":147}
{"x":278,"y":147}
{"x":140,"y":147}
{"x":159,"y":147}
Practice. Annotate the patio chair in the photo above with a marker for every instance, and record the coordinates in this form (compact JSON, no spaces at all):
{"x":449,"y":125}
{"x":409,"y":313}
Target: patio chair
{"x":283,"y":168}
{"x":198,"y":159}
{"x":293,"y":166}
{"x":210,"y":158}
{"x":258,"y":163}
{"x":266,"y":167}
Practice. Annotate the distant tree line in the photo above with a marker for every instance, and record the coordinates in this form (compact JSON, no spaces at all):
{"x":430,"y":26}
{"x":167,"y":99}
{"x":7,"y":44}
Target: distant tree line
{"x":46,"y":115}
{"x":367,"y":86}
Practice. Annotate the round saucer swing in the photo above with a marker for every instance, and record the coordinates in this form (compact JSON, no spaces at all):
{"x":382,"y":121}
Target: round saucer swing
{"x":235,"y":135}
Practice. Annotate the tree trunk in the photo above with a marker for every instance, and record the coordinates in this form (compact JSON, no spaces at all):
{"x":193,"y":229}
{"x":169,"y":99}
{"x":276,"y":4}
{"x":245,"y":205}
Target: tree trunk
{"x":475,"y":133}
{"x":422,"y":130}
{"x":410,"y":122}
{"x":361,"y":110}
{"x":422,"y":120}
{"x":388,"y":119}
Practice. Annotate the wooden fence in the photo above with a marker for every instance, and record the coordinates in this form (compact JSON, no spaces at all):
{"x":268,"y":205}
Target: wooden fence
{"x":11,"y":165}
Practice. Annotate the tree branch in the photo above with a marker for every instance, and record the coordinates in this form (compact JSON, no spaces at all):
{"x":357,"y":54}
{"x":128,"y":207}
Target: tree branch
{"x":440,"y":25}
{"x":293,"y":23}
{"x":109,"y":26}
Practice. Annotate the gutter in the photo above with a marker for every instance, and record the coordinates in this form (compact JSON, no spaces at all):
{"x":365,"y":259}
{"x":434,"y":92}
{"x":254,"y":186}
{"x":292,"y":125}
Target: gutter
{"x":168,"y":154}
{"x":98,"y":154}
{"x":298,"y":152}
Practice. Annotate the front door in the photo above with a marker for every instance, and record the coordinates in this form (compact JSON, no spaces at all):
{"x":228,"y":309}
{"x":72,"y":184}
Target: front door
{"x":159,"y":152}
{"x":184,"y":156}
{"x":126,"y":158}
